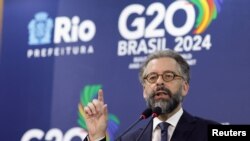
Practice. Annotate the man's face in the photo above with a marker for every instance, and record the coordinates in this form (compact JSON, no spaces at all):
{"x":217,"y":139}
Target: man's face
{"x":167,"y":95}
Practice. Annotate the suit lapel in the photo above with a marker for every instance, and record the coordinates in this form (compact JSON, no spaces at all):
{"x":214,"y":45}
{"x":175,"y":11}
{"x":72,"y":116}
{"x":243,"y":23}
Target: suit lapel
{"x":183,"y":128}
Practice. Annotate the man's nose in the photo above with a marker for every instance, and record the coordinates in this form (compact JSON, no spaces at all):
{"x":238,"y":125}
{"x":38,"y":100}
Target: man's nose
{"x":160,"y":81}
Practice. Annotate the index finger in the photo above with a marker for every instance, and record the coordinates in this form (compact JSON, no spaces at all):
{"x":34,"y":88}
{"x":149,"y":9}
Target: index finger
{"x":100,"y":95}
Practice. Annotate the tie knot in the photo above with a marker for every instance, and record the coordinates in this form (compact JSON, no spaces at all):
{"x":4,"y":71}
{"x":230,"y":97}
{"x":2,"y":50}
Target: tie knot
{"x":163,"y":126}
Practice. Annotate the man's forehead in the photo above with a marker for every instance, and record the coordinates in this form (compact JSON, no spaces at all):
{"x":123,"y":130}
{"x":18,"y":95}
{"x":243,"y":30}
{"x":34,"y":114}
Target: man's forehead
{"x":162,"y":64}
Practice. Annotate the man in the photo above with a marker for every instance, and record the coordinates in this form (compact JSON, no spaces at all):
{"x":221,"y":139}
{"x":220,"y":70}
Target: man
{"x":165,"y":80}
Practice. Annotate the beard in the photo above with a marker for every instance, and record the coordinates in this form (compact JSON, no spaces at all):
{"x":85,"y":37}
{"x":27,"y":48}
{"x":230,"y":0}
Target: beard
{"x":167,"y":105}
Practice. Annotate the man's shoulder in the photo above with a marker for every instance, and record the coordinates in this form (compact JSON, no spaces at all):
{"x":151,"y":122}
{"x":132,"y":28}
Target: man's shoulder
{"x":205,"y":121}
{"x":197,"y":119}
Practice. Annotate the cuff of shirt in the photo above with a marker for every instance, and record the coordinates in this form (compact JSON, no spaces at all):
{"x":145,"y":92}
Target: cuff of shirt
{"x":99,"y":139}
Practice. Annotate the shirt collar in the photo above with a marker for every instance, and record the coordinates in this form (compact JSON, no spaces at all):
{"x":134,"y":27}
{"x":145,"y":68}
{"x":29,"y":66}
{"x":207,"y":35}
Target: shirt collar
{"x":173,"y":120}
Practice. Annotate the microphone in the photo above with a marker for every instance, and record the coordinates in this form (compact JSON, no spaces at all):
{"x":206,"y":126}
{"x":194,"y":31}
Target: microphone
{"x":144,"y":115}
{"x":156,"y":112}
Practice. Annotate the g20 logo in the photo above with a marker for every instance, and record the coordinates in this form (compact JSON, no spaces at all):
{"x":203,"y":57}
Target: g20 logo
{"x":156,"y":20}
{"x":54,"y":134}
{"x":162,"y":15}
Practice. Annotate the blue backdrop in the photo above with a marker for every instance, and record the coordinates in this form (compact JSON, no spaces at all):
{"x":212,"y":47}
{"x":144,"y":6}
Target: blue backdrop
{"x":57,"y":54}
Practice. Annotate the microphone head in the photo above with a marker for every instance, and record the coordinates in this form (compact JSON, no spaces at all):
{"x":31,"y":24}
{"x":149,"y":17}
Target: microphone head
{"x":156,"y":111}
{"x":146,"y":113}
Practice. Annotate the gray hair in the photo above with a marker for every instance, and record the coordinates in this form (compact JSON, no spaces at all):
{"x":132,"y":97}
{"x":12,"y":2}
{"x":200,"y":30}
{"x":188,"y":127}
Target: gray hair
{"x":169,"y":54}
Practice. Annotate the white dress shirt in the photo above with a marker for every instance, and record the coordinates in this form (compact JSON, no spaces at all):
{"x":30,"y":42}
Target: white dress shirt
{"x":173,"y":120}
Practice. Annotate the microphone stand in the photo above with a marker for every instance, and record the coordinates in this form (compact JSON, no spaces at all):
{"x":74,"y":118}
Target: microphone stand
{"x":131,"y":126}
{"x":145,"y":114}
{"x":156,"y":112}
{"x":139,"y":137}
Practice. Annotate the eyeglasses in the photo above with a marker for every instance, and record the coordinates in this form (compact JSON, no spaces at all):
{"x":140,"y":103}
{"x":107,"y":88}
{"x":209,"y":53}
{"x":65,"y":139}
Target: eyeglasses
{"x":166,"y":76}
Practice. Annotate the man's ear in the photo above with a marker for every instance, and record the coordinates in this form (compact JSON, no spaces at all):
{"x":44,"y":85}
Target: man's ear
{"x":185,"y":88}
{"x":144,"y":91}
{"x":144,"y":95}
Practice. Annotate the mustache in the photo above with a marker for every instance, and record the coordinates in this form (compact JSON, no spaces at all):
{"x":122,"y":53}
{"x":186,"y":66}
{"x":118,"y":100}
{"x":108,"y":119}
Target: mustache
{"x":161,"y":90}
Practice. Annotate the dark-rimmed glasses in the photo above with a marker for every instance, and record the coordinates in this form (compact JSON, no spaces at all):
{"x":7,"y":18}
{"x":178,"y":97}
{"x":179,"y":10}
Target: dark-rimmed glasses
{"x":166,"y":76}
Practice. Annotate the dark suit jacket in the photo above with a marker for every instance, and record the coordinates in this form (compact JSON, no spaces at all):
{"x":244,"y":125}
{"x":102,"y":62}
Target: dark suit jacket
{"x":189,"y":128}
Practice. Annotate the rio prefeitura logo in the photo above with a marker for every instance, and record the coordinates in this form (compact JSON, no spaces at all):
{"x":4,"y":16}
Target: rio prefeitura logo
{"x":59,"y":36}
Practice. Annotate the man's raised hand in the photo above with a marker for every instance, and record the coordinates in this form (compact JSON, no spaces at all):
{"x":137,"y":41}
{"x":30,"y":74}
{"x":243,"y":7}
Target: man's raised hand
{"x":96,"y":116}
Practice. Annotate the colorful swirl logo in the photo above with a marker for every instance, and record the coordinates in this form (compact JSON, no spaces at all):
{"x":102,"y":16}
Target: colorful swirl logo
{"x":88,"y":93}
{"x":208,"y":11}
